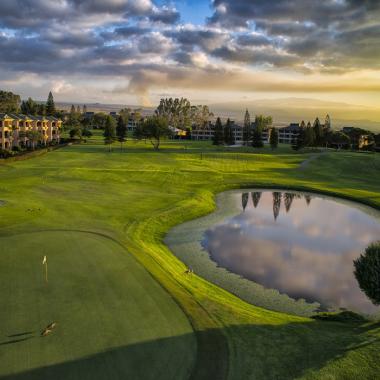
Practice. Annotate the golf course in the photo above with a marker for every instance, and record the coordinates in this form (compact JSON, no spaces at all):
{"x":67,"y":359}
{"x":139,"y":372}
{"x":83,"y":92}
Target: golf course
{"x":124,"y":307}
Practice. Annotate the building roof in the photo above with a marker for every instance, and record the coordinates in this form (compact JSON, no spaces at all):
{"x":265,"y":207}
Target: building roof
{"x":292,"y":127}
{"x":14,"y":116}
{"x":4,"y":116}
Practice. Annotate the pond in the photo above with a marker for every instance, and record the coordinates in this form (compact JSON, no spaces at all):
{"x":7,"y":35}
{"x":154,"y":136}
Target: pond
{"x":301,"y":245}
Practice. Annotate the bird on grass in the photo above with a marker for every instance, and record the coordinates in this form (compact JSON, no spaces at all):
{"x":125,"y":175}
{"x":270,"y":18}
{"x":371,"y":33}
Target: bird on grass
{"x":48,"y":329}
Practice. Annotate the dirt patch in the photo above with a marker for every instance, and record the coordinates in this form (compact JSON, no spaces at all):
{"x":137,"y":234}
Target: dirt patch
{"x":2,"y":203}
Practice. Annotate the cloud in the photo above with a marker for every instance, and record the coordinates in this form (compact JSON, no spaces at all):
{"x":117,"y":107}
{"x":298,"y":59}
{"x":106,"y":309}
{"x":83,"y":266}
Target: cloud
{"x":325,"y":34}
{"x":287,"y":45}
{"x":165,"y":15}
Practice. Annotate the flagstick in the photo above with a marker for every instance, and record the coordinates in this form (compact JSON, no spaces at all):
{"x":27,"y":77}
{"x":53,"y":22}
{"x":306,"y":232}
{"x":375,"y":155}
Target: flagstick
{"x":44,"y":262}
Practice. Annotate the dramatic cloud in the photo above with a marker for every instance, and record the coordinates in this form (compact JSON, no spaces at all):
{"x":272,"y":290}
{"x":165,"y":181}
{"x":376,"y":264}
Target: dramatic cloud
{"x":139,"y":45}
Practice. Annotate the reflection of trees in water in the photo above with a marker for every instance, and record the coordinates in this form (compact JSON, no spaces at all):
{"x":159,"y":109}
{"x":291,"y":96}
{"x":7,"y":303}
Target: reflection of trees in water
{"x":308,"y":199}
{"x":276,"y":204}
{"x":288,"y":200}
{"x":256,"y":197}
{"x":244,"y":200}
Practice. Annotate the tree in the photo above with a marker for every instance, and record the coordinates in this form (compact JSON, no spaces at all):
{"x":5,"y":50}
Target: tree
{"x":9,"y":102}
{"x":263,"y":122}
{"x":309,"y":136}
{"x":121,"y":131}
{"x":109,"y":131}
{"x":367,"y":272}
{"x":338,"y":139}
{"x":318,"y":132}
{"x":273,"y":138}
{"x":327,"y":122}
{"x":218,"y":132}
{"x":29,"y":107}
{"x":176,"y":111}
{"x":377,"y":140}
{"x":200,"y":115}
{"x":86,"y":132}
{"x":99,"y":120}
{"x":41,"y":109}
{"x":229,"y":137}
{"x":153,"y":128}
{"x":246,"y":128}
{"x":125,"y":113}
{"x":34,"y":137}
{"x":50,"y":105}
{"x":76,"y":132}
{"x":72,"y":121}
{"x":257,"y":141}
{"x":84,"y":109}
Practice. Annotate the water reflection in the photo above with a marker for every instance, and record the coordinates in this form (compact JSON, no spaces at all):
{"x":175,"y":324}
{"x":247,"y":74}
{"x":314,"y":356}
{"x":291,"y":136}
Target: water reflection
{"x":276,"y":204}
{"x":288,"y":200}
{"x":244,"y":200}
{"x":303,"y":251}
{"x":256,"y":195}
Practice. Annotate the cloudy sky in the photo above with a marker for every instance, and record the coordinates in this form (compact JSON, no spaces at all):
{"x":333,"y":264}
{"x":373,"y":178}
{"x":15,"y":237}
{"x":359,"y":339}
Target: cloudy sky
{"x":136,"y":51}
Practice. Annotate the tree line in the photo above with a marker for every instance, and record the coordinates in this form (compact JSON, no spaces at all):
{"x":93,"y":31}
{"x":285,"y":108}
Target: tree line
{"x":251,"y":132}
{"x":169,"y":116}
{"x":321,"y":135}
{"x":11,"y":103}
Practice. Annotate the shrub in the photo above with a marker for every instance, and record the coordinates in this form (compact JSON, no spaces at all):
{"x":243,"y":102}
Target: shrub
{"x":367,"y":272}
{"x":5,"y":153}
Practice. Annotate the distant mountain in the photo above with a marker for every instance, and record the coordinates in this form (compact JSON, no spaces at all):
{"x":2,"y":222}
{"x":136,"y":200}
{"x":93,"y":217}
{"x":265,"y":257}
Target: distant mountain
{"x":289,"y":110}
{"x":102,"y":107}
{"x":283,"y":111}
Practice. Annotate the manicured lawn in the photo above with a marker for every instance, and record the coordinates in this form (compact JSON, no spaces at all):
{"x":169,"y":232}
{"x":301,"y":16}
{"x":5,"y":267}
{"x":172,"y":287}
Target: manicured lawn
{"x":113,"y":318}
{"x":134,"y":197}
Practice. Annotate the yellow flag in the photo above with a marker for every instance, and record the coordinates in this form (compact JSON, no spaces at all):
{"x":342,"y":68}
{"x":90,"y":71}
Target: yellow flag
{"x":44,"y":261}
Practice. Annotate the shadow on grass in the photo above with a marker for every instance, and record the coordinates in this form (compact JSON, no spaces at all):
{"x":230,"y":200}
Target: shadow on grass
{"x":13,"y":341}
{"x":283,"y":352}
{"x":21,"y":334}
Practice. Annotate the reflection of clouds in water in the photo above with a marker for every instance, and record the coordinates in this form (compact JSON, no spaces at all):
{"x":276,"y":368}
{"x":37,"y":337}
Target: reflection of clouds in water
{"x":307,"y":253}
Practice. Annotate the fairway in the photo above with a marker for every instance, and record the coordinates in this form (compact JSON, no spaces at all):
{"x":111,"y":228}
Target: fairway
{"x":113,"y":318}
{"x":125,"y":308}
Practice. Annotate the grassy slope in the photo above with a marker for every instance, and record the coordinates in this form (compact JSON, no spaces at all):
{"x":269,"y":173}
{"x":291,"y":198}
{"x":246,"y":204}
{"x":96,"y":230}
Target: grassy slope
{"x":136,"y":196}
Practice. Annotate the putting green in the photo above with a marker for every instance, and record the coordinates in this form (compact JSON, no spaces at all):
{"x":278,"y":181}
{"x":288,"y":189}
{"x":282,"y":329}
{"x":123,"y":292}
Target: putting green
{"x":114,"y":320}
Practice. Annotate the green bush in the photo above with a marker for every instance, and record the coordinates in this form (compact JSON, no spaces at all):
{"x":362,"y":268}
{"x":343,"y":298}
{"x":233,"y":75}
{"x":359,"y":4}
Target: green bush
{"x":367,"y":272}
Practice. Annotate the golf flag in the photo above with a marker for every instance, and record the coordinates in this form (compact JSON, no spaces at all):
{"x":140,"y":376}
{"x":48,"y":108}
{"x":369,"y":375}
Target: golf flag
{"x":44,"y":262}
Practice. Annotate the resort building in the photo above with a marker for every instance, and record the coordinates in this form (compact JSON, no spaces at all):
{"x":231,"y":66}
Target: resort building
{"x":133,"y":121}
{"x":202,"y":133}
{"x":286,"y":135}
{"x":24,"y":131}
{"x":237,"y":131}
{"x":207,"y":132}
